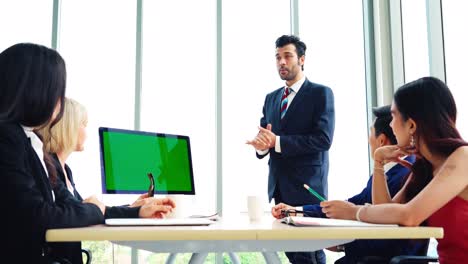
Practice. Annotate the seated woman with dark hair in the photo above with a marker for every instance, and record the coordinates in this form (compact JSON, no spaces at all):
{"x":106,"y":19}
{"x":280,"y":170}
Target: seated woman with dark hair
{"x":424,"y":115}
{"x":32,"y":94}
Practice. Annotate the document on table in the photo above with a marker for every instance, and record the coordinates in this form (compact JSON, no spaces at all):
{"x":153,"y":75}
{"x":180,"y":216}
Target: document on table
{"x":158,"y":222}
{"x":315,"y":221}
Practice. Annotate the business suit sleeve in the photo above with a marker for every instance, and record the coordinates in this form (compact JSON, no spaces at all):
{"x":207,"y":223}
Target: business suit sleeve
{"x":23,"y":181}
{"x":122,"y":212}
{"x":313,"y":210}
{"x":365,"y":196}
{"x":66,"y":211}
{"x":320,"y":137}
{"x":111,"y":211}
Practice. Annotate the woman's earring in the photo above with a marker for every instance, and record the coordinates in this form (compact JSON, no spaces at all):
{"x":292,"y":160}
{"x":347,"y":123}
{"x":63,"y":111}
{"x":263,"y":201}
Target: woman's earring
{"x":412,"y":142}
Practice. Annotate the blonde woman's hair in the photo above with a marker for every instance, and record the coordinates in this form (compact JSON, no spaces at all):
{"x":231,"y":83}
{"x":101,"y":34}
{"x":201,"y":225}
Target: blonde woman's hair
{"x":63,"y":136}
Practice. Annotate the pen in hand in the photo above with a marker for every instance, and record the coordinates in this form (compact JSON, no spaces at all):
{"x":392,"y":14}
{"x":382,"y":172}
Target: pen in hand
{"x":314,"y":193}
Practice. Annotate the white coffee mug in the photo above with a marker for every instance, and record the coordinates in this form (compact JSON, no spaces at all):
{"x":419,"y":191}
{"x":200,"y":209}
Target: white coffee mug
{"x":182,"y":206}
{"x":255,"y":207}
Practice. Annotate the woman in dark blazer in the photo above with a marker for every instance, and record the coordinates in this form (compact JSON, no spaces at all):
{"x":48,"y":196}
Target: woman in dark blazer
{"x":32,"y":93}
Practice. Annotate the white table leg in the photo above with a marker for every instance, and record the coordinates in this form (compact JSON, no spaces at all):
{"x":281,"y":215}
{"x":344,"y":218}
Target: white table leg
{"x":134,"y":255}
{"x":271,"y":258}
{"x":235,"y":259}
{"x":198,"y":258}
{"x":219,"y":257}
{"x":171,"y":258}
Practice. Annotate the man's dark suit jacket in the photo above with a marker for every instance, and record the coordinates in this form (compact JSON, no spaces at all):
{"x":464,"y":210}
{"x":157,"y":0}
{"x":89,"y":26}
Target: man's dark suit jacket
{"x":28,"y":206}
{"x":306,"y":134}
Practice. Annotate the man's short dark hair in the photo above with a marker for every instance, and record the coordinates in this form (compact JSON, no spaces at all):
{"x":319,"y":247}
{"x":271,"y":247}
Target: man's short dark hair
{"x":290,"y":39}
{"x":383,"y":117}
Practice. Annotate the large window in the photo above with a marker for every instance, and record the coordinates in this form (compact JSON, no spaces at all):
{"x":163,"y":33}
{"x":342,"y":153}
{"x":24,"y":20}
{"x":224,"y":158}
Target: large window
{"x":100,"y":58}
{"x":250,"y":29}
{"x":415,"y":46}
{"x":335,"y":57}
{"x":178,"y":93}
{"x":25,"y":21}
{"x":456,"y":56}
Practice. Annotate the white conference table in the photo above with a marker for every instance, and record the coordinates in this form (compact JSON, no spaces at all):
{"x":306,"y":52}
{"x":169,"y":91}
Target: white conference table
{"x":235,"y":235}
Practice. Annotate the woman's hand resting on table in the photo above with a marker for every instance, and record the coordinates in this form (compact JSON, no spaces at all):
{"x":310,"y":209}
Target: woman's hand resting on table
{"x":155,"y":207}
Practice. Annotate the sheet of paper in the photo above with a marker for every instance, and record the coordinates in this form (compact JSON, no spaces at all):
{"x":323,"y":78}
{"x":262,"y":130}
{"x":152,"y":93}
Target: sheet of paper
{"x":314,"y":221}
{"x":158,"y":222}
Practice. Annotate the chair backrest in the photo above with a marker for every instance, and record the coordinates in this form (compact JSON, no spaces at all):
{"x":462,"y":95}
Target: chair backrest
{"x":420,"y":246}
{"x":432,"y":248}
{"x":422,"y":256}
{"x":89,"y":256}
{"x":424,"y":246}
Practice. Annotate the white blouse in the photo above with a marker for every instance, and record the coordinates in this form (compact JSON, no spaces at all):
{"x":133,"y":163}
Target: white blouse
{"x":37,"y":146}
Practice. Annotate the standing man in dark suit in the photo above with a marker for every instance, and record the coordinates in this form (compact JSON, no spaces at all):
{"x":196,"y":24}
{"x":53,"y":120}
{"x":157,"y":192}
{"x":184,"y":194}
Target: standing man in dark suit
{"x":297,"y":131}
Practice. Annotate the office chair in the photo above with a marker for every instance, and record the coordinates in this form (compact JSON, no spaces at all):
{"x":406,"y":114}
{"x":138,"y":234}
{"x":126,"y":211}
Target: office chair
{"x":86,"y":252}
{"x":417,"y":259}
{"x":399,"y":260}
{"x":420,"y":258}
{"x":413,"y":260}
{"x":89,"y":256}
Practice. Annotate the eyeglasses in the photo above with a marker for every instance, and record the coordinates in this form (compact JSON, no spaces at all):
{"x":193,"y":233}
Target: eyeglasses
{"x":290,"y":212}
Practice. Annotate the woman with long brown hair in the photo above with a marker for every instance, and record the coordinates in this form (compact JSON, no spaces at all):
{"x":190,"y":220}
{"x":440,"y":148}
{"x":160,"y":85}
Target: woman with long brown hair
{"x":424,"y":115}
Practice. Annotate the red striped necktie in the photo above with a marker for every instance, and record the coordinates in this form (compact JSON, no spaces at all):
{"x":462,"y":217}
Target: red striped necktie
{"x":284,"y":101}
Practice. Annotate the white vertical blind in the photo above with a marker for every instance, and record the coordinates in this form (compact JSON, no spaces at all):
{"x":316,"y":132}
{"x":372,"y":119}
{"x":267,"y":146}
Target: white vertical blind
{"x":178,"y":87}
{"x":250,"y":29}
{"x":456,"y":56}
{"x":25,"y":21}
{"x":335,"y":58}
{"x":98,"y":45}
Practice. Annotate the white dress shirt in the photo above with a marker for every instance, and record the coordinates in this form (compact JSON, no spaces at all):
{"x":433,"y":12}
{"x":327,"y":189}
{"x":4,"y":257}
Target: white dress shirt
{"x":295,"y":89}
{"x":37,"y":146}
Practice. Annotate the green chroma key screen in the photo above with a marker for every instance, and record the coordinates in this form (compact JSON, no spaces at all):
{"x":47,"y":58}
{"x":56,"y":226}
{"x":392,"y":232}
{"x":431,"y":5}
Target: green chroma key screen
{"x":127,"y":156}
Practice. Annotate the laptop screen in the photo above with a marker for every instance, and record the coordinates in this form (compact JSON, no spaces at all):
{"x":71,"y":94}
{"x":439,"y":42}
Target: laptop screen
{"x":128,"y":156}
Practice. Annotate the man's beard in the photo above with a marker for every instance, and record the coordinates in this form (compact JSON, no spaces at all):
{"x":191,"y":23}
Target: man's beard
{"x":288,"y":77}
{"x":291,"y":75}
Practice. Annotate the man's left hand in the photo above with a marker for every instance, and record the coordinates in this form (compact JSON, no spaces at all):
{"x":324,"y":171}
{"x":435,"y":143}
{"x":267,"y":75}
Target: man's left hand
{"x":264,"y":140}
{"x":267,"y":134}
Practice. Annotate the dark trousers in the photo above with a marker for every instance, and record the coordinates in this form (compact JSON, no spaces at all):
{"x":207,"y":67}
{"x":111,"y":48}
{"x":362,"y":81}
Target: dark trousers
{"x":315,"y":257}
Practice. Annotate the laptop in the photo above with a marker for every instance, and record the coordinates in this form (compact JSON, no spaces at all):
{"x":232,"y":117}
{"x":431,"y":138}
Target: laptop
{"x":158,"y":222}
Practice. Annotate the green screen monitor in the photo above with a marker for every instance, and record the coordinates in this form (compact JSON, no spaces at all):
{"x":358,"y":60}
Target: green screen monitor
{"x":128,"y":156}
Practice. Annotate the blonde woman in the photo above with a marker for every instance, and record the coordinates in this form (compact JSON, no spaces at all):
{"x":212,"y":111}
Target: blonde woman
{"x":66,"y":137}
{"x":69,"y":135}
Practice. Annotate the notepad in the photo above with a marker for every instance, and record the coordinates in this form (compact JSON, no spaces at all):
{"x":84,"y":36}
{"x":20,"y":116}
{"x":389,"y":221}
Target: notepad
{"x":158,"y":222}
{"x":315,"y":221}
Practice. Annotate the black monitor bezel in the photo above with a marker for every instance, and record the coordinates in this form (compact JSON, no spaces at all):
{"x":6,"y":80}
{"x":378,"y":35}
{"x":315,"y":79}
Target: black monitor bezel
{"x":136,"y":132}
